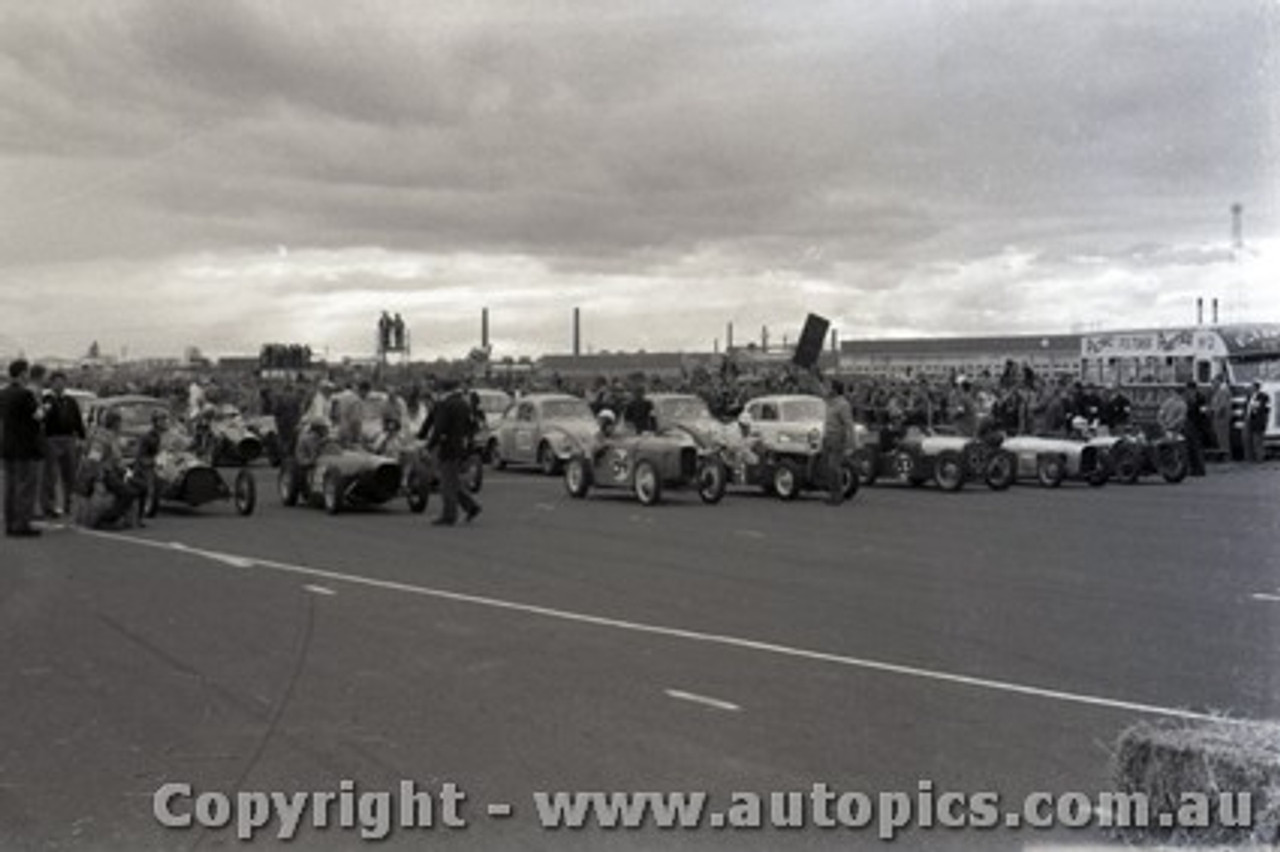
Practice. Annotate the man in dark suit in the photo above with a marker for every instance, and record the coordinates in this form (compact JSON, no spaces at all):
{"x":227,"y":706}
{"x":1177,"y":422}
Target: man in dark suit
{"x":20,"y":448}
{"x":450,"y":440}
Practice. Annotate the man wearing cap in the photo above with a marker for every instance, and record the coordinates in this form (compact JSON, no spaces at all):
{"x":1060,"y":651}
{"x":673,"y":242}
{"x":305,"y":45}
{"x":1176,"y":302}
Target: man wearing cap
{"x":450,"y":438}
{"x":20,"y":448}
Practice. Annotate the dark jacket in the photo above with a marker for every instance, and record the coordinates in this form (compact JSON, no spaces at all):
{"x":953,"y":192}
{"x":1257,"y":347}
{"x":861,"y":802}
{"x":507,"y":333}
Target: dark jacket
{"x":21,"y":441}
{"x":451,"y":428}
{"x":62,"y":417}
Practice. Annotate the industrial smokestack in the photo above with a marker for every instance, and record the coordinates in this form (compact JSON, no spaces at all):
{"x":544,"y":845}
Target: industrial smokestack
{"x":835,"y":341}
{"x":1237,"y":226}
{"x":484,"y":328}
{"x":1199,"y":310}
{"x":764,"y":338}
{"x":1215,"y":310}
{"x":577,"y":331}
{"x":728,"y":338}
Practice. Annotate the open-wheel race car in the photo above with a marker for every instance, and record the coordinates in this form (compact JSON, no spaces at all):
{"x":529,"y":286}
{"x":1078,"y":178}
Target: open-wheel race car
{"x":646,"y":465}
{"x":339,"y":478}
{"x":182,"y":477}
{"x":1138,"y":453}
{"x":780,"y":448}
{"x":178,"y":475}
{"x":1050,"y":460}
{"x":227,"y":439}
{"x":948,"y":461}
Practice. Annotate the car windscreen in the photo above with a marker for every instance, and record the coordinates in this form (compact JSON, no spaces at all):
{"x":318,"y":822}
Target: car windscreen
{"x":683,"y":408}
{"x":566,"y":409}
{"x":795,"y":410}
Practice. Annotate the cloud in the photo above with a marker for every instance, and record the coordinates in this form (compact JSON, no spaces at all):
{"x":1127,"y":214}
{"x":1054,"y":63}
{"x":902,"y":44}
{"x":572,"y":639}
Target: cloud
{"x":885,"y":162}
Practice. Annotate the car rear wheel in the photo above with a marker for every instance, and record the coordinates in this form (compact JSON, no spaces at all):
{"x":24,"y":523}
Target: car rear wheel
{"x":864,"y":462}
{"x":647,"y":484}
{"x":244,"y":494}
{"x":547,"y":460}
{"x":577,"y":477}
{"x":1126,"y":463}
{"x":948,"y":471}
{"x":786,"y":480}
{"x":332,"y":492}
{"x":1172,"y":462}
{"x":712,"y":481}
{"x":417,"y":492}
{"x":849,"y":479}
{"x":1002,"y":470}
{"x":1050,"y":471}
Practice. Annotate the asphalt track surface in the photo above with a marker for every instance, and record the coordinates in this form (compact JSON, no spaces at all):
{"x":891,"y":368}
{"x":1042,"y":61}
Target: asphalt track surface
{"x":983,"y":641}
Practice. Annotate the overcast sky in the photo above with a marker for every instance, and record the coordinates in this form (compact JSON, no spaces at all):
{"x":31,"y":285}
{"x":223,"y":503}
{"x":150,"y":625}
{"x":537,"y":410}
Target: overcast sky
{"x":228,"y":173}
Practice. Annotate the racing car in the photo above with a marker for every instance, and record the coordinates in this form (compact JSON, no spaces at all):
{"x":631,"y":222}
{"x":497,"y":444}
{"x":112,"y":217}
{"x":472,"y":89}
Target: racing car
{"x":780,"y":449}
{"x":341,"y":478}
{"x":1138,"y":453}
{"x":224,"y":438}
{"x":1051,"y":460}
{"x":949,"y":461}
{"x":646,"y":465}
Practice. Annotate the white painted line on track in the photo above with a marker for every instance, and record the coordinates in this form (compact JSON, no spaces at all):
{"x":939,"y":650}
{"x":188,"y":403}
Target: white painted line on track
{"x":319,"y":590}
{"x":545,"y":507}
{"x":715,"y":703}
{"x":1262,"y":596}
{"x":689,"y":635}
{"x":749,"y":533}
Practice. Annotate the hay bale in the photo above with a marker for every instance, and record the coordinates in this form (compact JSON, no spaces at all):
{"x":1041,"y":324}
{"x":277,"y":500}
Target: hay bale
{"x":1166,"y":760}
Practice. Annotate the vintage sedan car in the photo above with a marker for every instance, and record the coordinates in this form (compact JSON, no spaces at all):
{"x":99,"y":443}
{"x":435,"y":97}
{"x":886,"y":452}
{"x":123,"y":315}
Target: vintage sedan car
{"x":780,"y":449}
{"x":949,"y":461}
{"x":1139,"y":453}
{"x":646,"y":465}
{"x":1051,"y":460}
{"x":342,"y":478}
{"x":180,"y":476}
{"x":543,"y":430}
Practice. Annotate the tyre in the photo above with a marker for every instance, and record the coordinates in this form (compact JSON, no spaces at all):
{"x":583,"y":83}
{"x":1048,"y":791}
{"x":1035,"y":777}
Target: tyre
{"x":864,"y":462}
{"x":332,"y":492}
{"x":646,"y":483}
{"x":547,"y":460}
{"x":786,"y":479}
{"x":1051,"y":470}
{"x":712,"y":481}
{"x":948,"y":471}
{"x":577,"y":477}
{"x":1001,"y":471}
{"x":849,"y":479}
{"x":417,"y":492}
{"x":1172,"y":462}
{"x":287,"y":484}
{"x":1126,"y":463}
{"x":244,"y":493}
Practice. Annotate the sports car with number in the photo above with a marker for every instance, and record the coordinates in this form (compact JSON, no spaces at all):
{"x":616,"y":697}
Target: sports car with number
{"x":948,"y":461}
{"x":646,"y":465}
{"x":780,"y":447}
{"x":543,"y":430}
